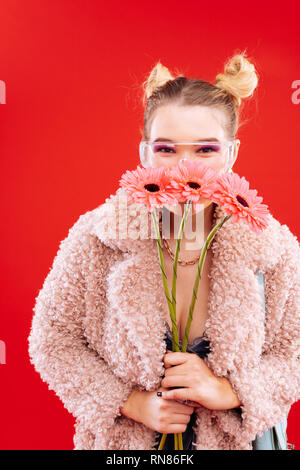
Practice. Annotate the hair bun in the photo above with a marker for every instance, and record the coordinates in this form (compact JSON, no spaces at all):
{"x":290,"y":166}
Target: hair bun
{"x":239,"y":78}
{"x":159,"y":75}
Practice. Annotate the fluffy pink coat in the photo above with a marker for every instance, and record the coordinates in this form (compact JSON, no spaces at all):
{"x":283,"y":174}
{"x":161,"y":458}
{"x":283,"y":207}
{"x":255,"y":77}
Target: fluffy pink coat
{"x":98,"y":328}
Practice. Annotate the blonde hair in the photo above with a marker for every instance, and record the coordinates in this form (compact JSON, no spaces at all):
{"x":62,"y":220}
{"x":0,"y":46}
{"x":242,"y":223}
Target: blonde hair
{"x":238,"y":80}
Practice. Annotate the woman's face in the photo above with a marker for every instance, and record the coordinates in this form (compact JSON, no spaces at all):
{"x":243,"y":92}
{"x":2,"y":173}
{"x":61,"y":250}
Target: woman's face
{"x":188,"y":124}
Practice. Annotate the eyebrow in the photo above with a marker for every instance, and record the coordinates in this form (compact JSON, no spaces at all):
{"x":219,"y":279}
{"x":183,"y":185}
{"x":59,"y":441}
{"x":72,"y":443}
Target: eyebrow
{"x":205,"y":139}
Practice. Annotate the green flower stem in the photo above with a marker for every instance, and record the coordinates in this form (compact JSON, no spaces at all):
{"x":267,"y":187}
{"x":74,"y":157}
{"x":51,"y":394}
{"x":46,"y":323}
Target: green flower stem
{"x":162,"y":442}
{"x":198,"y":277}
{"x":170,"y":305}
{"x":178,"y":243}
{"x":175,"y":338}
{"x":178,"y":442}
{"x":164,"y":278}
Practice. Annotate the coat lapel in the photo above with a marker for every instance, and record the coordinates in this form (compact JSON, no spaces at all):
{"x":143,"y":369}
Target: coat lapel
{"x":134,"y":321}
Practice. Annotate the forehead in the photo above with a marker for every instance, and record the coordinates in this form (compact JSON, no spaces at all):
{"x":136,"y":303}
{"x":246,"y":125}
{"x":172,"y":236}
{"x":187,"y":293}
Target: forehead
{"x":187,"y":123}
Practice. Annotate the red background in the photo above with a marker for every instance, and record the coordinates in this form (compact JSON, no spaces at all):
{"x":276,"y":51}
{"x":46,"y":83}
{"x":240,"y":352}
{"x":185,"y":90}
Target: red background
{"x":70,"y":127}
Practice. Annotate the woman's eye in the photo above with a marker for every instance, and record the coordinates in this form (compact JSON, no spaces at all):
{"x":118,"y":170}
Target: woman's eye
{"x":163,"y":149}
{"x":205,"y":149}
{"x":210,"y":149}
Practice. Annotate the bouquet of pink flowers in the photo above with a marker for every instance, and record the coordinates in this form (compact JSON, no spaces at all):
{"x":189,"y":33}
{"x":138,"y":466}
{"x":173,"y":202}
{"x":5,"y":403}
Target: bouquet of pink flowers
{"x":188,"y":182}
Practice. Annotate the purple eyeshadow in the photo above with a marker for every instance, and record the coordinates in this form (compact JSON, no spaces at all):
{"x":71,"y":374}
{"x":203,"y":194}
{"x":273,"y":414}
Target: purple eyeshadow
{"x":157,"y":148}
{"x":209,"y":147}
{"x":216,"y":148}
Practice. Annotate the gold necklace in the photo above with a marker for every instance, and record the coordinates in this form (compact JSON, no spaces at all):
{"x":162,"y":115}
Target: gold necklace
{"x":180,"y":261}
{"x":172,"y":255}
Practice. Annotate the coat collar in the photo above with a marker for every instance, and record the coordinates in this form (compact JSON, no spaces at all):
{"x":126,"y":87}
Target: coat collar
{"x":137,"y":303}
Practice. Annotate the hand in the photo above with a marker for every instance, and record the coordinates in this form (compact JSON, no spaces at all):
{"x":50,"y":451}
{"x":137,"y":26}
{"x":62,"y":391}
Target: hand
{"x":164,"y":416}
{"x":200,"y":384}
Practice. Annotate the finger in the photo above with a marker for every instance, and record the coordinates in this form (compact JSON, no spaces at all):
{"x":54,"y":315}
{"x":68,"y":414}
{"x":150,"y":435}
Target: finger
{"x":182,"y":408}
{"x":175,"y":428}
{"x":179,"y":418}
{"x":176,"y":381}
{"x":176,"y":405}
{"x":167,"y":366}
{"x":194,"y":404}
{"x":181,"y":369}
{"x":190,"y":403}
{"x":178,"y":394}
{"x":172,"y":358}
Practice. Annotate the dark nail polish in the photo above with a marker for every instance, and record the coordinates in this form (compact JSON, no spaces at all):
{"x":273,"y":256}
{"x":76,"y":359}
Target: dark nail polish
{"x":159,"y":394}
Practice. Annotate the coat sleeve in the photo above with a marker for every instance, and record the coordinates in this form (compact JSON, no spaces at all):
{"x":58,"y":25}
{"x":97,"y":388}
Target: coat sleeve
{"x":58,"y":348}
{"x":268,"y":390}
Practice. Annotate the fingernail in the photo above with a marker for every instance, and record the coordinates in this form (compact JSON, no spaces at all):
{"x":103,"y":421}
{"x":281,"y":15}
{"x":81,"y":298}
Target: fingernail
{"x":159,"y":394}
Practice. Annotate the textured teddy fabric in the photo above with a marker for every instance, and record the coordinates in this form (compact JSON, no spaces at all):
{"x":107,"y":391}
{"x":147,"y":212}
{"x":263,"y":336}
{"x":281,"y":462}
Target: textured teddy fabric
{"x":99,"y":324}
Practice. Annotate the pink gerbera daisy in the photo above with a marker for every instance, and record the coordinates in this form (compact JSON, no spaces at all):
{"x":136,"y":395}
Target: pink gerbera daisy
{"x":233,"y":194}
{"x":192,"y":180}
{"x":148,"y":186}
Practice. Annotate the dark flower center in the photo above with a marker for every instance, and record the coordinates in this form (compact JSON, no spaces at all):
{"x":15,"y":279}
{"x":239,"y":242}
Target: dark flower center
{"x":193,"y":184}
{"x":151,"y":187}
{"x":242,"y":201}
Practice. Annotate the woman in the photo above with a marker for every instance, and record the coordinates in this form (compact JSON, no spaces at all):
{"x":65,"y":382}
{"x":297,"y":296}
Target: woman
{"x":101,"y":325}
